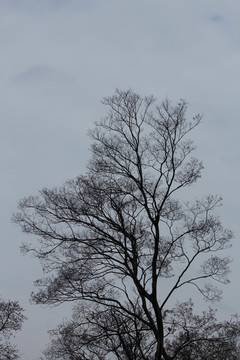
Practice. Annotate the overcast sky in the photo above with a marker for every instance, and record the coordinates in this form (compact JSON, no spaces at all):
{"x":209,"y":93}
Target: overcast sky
{"x":59,"y":58}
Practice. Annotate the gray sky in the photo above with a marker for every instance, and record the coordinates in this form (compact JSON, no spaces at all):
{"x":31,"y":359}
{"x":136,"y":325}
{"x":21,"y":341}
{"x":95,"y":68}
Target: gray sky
{"x":59,"y":58}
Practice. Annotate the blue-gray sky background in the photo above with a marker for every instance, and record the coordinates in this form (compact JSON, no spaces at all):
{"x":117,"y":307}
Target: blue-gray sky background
{"x":59,"y":58}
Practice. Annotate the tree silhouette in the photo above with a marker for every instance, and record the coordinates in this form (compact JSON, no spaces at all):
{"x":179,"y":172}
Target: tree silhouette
{"x":11,"y":319}
{"x":111,"y":238}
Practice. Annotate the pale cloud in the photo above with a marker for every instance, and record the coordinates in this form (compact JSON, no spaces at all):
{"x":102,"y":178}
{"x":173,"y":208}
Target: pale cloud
{"x":217,"y":18}
{"x":42,"y":8}
{"x":39,"y":73}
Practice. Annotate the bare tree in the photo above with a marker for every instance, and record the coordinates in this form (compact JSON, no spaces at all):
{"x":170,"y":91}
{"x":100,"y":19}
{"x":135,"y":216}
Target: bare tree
{"x":111,"y":237}
{"x":200,"y":336}
{"x":100,"y":333}
{"x":11,"y":319}
{"x":91,"y":334}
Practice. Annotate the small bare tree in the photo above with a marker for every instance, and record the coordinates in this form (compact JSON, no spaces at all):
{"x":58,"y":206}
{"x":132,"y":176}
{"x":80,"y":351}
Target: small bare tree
{"x":109,"y":238}
{"x":94,"y":334}
{"x":11,"y":319}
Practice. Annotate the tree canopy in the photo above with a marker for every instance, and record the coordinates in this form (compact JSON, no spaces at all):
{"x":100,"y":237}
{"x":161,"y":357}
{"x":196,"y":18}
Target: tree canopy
{"x":11,"y":320}
{"x":110,"y":238}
